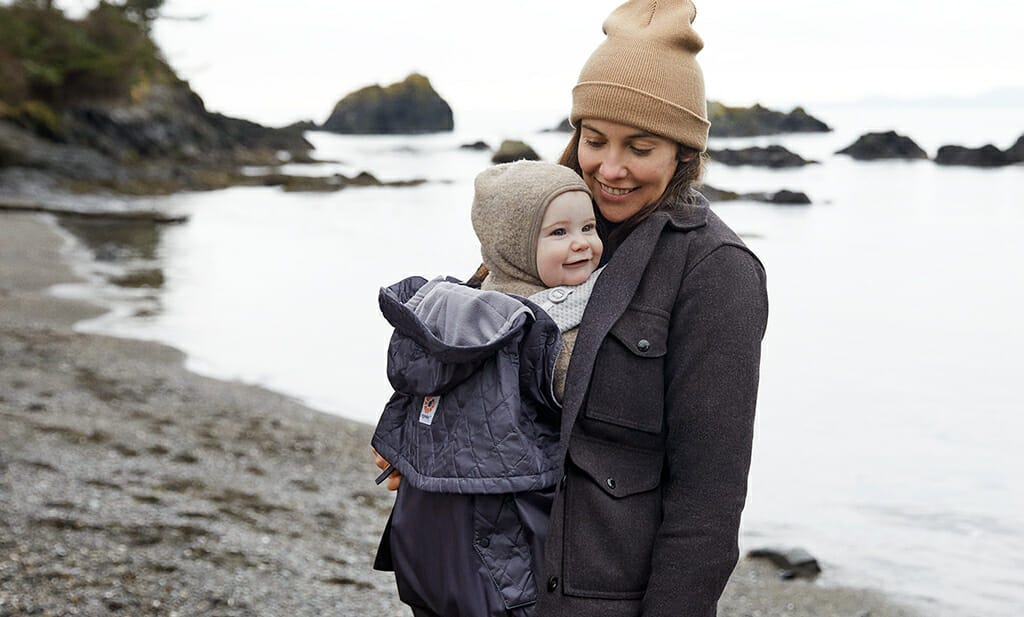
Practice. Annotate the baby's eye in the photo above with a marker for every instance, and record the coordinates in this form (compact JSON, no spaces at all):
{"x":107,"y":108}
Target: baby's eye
{"x":558,"y":232}
{"x":589,"y":227}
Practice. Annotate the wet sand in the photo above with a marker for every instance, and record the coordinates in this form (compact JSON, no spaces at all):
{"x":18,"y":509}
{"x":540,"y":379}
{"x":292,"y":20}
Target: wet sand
{"x":130,"y":486}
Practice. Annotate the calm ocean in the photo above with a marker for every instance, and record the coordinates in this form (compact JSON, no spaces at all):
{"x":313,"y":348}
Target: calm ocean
{"x":890,"y":413}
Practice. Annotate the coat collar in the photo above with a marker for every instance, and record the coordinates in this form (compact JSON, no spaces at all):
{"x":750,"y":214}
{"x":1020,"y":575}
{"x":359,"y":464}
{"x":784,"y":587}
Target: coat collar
{"x":689,"y":213}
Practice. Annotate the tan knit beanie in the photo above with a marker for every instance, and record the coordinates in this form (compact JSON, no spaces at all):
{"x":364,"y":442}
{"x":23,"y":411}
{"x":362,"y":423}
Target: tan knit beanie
{"x":645,"y":74}
{"x":508,"y":206}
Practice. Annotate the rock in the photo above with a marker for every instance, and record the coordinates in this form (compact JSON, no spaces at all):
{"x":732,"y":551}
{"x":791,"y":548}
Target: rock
{"x":757,"y":120}
{"x":476,"y":145}
{"x":1015,"y":153}
{"x":789,"y":197}
{"x":173,"y":123}
{"x":715,"y":194}
{"x":792,"y":562}
{"x":563,"y":127}
{"x":407,"y":107}
{"x":773,"y":156}
{"x":514,"y":150}
{"x":783,"y":197}
{"x":985,"y":156}
{"x":888,"y":145}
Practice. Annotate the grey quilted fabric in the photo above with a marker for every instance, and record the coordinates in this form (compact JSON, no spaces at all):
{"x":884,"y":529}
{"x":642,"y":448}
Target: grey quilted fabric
{"x":485,"y":360}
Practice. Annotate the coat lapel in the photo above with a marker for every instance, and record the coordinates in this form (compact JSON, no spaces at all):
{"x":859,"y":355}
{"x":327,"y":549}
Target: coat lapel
{"x":612,"y":293}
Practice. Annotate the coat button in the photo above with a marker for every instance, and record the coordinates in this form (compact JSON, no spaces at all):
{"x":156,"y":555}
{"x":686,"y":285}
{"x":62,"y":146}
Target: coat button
{"x":611,"y":483}
{"x":643,"y":344}
{"x":557,"y":295}
{"x":553,"y":583}
{"x":485,"y":542}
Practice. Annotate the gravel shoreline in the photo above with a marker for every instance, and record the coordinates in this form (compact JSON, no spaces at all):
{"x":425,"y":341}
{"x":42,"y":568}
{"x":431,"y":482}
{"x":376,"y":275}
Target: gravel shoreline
{"x":130,"y":486}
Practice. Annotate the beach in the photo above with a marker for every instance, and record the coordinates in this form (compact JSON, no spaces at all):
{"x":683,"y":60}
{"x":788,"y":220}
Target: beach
{"x":130,"y":486}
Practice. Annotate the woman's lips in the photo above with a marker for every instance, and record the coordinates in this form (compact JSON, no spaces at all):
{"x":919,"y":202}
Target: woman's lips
{"x":613,"y":191}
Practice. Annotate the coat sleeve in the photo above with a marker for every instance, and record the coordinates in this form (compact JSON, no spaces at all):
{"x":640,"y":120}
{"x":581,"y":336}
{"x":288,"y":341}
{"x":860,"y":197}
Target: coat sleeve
{"x":711,"y":378}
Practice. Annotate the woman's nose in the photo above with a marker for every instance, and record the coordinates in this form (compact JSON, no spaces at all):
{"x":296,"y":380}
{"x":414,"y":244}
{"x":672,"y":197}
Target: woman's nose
{"x":612,"y":167}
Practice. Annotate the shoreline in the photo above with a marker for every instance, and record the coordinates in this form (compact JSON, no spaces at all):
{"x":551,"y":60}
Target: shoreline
{"x":129,"y":485}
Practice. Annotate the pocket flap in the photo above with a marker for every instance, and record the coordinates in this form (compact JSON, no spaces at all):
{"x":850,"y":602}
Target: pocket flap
{"x":619,"y":470}
{"x":642,"y":332}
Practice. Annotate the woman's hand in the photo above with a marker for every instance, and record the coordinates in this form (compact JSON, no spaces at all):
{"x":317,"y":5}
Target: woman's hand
{"x":395,"y":478}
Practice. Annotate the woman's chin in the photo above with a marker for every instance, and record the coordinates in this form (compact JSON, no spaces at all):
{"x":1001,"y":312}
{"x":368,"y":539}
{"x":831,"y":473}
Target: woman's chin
{"x":617,"y":210}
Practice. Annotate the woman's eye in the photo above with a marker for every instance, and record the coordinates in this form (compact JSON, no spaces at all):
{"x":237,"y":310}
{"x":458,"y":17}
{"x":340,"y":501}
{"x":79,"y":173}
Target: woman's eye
{"x":641,"y":151}
{"x":593,"y":143}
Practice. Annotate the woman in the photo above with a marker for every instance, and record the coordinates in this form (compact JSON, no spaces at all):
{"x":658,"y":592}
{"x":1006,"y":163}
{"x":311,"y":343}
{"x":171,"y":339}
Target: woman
{"x":659,"y":403}
{"x":659,"y":400}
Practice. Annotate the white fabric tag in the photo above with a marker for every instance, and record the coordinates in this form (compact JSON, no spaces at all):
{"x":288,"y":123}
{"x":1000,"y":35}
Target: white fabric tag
{"x":429,"y":409}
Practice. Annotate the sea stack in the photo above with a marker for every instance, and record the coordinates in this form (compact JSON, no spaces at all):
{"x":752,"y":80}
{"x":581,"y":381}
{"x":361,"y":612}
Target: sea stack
{"x":410,"y":106}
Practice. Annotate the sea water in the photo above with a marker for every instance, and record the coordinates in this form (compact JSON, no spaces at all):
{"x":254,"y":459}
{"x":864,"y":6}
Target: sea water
{"x":890,"y":411}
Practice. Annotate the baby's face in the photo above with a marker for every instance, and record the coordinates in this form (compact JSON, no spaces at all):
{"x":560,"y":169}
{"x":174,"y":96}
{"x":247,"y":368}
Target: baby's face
{"x":568,"y":249}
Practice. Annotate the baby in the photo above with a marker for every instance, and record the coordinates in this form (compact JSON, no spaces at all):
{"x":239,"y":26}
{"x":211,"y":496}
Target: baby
{"x":478,"y":374}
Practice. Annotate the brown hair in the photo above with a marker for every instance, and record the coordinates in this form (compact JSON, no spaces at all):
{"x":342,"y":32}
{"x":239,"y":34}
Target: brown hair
{"x":689,"y":169}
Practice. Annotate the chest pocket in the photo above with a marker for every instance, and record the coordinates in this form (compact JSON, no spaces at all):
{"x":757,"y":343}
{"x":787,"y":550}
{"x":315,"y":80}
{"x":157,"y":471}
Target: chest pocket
{"x":628,"y":384}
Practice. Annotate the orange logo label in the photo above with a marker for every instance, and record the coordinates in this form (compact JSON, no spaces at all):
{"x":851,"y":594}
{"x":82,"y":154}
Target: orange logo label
{"x":430,"y":404}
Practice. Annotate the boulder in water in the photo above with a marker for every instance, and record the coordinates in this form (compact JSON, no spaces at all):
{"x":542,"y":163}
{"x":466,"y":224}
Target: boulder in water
{"x":729,"y":121}
{"x":514,"y":150}
{"x":410,"y":106}
{"x":888,"y":145}
{"x":985,"y":156}
{"x":773,"y":156}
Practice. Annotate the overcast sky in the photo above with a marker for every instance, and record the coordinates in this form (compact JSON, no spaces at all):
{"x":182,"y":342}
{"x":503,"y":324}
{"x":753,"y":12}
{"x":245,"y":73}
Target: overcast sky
{"x":276,"y":62}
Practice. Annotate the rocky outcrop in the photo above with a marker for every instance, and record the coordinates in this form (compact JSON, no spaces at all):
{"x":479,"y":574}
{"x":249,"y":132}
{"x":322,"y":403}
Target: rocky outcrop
{"x":563,"y":127}
{"x":985,"y":156}
{"x":514,"y":150}
{"x":407,"y":107}
{"x":173,"y":123}
{"x":773,"y":156}
{"x":757,"y":120}
{"x":97,"y":107}
{"x":783,"y":197}
{"x":164,"y":141}
{"x":888,"y":145}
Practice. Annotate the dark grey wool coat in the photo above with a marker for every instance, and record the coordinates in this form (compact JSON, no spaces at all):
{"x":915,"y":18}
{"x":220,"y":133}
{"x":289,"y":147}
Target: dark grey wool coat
{"x":657,"y":425}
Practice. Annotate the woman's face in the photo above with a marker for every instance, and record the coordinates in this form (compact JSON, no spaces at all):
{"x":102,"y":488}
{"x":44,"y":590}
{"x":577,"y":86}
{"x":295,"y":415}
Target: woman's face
{"x":626,"y":168}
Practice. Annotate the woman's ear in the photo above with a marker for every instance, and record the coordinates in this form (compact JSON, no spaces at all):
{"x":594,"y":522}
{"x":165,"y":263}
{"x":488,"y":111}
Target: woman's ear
{"x":688,"y":156}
